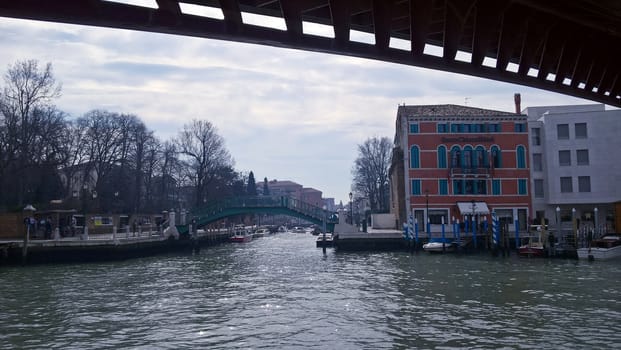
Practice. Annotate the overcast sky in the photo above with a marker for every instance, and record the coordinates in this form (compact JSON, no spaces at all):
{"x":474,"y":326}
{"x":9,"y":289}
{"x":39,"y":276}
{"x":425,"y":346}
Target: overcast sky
{"x":284,"y":114}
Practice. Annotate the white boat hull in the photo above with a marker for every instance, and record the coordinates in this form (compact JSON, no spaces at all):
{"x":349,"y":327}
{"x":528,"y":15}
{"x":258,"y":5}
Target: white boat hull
{"x":437,"y":247}
{"x":596,"y":253}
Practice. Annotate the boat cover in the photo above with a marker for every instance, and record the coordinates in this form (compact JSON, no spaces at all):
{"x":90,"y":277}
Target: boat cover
{"x":465,"y":208}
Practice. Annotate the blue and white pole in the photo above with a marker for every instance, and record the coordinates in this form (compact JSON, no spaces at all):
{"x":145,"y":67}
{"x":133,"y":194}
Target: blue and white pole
{"x":408,"y":229}
{"x":474,"y":235}
{"x":466,"y":224}
{"x":416,"y":232}
{"x":411,"y":227}
{"x":458,"y":229}
{"x":429,"y":229}
{"x":443,"y":235}
{"x":453,"y":227}
{"x":495,"y":230}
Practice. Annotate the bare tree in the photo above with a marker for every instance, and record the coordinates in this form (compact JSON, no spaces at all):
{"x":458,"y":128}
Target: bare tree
{"x":25,"y":103}
{"x":203,"y":151}
{"x":152,"y":159}
{"x":140,"y":139}
{"x":370,"y":172}
{"x":168,"y":182}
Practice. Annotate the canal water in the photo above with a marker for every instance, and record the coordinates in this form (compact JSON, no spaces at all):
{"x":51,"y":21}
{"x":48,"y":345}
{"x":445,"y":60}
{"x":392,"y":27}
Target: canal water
{"x":280,"y":292}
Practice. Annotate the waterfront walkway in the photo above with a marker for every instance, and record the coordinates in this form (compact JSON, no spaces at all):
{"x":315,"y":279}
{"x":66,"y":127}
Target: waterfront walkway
{"x":106,"y":246}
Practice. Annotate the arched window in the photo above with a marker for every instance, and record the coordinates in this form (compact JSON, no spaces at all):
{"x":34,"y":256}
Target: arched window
{"x":414,"y":157}
{"x":455,"y":157}
{"x":520,"y":153}
{"x":441,"y":157}
{"x":481,"y":161}
{"x":468,"y":157}
{"x":496,"y":157}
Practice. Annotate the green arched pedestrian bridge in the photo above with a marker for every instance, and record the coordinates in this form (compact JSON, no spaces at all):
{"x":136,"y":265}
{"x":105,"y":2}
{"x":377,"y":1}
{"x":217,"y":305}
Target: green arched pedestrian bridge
{"x":261,"y":205}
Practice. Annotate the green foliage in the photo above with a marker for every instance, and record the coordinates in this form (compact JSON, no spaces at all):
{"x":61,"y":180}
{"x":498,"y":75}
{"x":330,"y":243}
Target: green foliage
{"x":266,"y":188}
{"x":252,"y":185}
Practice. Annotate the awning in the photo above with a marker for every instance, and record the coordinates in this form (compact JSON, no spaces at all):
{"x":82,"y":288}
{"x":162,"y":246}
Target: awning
{"x":465,"y":208}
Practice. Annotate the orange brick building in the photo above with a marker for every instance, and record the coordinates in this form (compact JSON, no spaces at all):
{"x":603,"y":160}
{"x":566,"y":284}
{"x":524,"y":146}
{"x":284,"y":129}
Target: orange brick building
{"x":450,"y":162}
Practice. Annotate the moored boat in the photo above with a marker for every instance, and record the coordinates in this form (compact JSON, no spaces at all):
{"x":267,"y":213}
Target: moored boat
{"x":324,"y":243}
{"x":534,"y":247}
{"x":603,"y":248}
{"x":261,"y":232}
{"x":439,"y":245}
{"x":241,"y":235}
{"x":534,"y":250}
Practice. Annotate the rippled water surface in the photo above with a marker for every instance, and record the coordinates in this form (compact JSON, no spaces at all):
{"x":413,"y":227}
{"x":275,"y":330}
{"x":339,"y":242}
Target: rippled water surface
{"x":280,"y":292}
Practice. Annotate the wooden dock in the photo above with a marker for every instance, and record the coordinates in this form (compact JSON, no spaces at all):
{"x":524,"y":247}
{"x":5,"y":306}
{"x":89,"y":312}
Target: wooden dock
{"x":384,"y":240}
{"x":104,"y":247}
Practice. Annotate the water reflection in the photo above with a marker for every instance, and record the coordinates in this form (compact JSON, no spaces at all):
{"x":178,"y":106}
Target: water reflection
{"x":282,"y":292}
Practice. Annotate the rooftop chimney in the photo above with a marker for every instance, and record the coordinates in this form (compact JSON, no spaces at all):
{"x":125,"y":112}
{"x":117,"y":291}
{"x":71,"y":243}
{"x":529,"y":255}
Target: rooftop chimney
{"x":518,"y":102}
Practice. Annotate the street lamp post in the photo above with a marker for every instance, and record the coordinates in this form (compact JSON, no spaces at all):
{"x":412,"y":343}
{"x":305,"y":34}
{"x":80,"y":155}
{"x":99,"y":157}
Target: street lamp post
{"x":84,"y":188}
{"x":428,"y":226}
{"x":551,"y":238}
{"x":29,"y":221}
{"x":474,"y":234}
{"x":596,"y":222}
{"x":574,"y":227}
{"x":325,"y":228}
{"x":351,"y":208}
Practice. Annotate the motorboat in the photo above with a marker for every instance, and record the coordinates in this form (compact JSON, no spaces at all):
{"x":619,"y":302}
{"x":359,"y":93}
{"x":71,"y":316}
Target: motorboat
{"x":603,"y":248}
{"x":298,"y":229}
{"x":534,"y":247}
{"x":241,"y":235}
{"x":261,"y":232}
{"x":327,"y":243}
{"x":439,"y":245}
{"x":534,"y":250}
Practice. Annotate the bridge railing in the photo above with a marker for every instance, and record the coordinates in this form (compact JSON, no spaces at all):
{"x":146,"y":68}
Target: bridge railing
{"x":266,"y":202}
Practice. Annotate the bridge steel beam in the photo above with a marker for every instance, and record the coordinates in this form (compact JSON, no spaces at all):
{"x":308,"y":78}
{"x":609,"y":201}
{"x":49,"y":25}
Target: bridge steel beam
{"x":202,"y":221}
{"x":576,"y":40}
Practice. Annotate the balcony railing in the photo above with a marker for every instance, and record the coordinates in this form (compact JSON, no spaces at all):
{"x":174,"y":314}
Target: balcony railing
{"x":470,"y":172}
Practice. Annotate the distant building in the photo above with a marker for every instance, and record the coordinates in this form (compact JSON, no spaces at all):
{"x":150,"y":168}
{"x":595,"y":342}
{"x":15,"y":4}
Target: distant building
{"x":575,"y":163}
{"x":285,"y":188}
{"x":294,"y":190}
{"x":329,"y":204}
{"x":454,"y":162}
{"x":311,"y":196}
{"x":79,"y":179}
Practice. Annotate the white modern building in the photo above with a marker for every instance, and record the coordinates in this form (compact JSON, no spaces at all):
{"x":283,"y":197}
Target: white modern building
{"x":575,"y":157}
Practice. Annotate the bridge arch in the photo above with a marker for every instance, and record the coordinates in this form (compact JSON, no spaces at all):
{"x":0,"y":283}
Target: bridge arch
{"x":261,"y":205}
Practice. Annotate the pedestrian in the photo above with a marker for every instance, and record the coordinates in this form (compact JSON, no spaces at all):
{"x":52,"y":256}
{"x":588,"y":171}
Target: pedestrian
{"x":74,"y":223}
{"x":48,"y":228}
{"x":551,"y":241}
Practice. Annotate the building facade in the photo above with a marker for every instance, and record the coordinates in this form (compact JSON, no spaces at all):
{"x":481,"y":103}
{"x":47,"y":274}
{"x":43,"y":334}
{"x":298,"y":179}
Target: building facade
{"x":576,"y":170}
{"x":285,"y":188}
{"x":460,"y":163}
{"x":294,"y":190}
{"x":311,"y":196}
